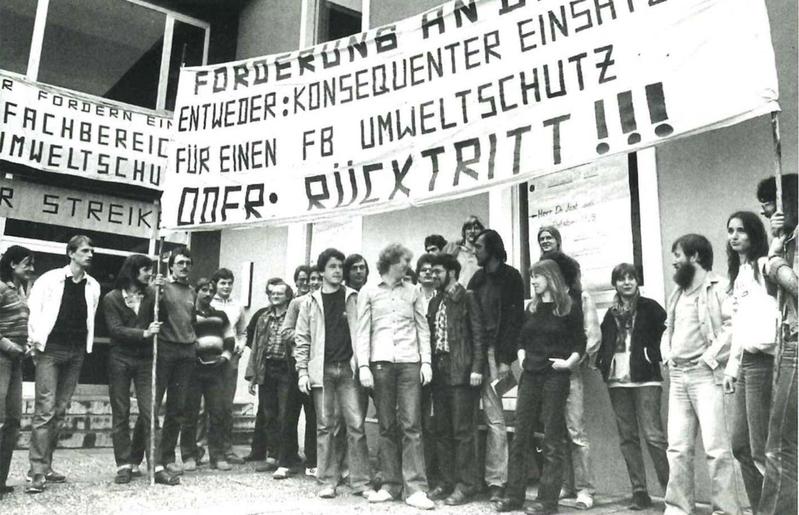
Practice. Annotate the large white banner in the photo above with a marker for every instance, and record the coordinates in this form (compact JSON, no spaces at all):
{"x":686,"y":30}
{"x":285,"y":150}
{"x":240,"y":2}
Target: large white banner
{"x":462,"y":98}
{"x":58,"y":130}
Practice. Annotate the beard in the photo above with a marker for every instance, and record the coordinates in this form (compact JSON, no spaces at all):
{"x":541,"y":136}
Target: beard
{"x":684,"y":275}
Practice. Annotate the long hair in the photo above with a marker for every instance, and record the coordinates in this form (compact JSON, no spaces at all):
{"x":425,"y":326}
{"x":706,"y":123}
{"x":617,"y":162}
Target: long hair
{"x":758,"y":245}
{"x":493,"y":244}
{"x":391,"y":255}
{"x":350,"y":262}
{"x":14,"y":255}
{"x":556,"y":285}
{"x":696,"y":245}
{"x":130,"y":270}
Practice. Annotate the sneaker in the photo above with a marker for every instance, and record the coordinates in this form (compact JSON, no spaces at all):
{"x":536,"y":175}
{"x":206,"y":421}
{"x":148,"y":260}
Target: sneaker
{"x":163,"y":477}
{"x":36,"y":485}
{"x":585,"y":500}
{"x":641,"y":501}
{"x":221,"y":465}
{"x":123,"y":476}
{"x":234,"y":459}
{"x":281,"y":473}
{"x":327,"y":492}
{"x":420,"y":501}
{"x":380,"y":496}
{"x":55,"y":477}
{"x":174,"y":469}
{"x":189,"y":465}
{"x":310,"y":471}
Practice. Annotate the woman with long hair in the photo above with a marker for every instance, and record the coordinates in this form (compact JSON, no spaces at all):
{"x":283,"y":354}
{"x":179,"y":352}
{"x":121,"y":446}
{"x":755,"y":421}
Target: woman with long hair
{"x":749,"y":371}
{"x":549,"y":347}
{"x":16,"y":268}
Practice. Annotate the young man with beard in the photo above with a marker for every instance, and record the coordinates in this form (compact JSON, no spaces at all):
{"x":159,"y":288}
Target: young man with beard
{"x":500,"y":292}
{"x":458,"y":355}
{"x":326,"y":366}
{"x":356,"y":271}
{"x":464,"y":249}
{"x":393,"y":354}
{"x":62,"y":306}
{"x":696,"y":346}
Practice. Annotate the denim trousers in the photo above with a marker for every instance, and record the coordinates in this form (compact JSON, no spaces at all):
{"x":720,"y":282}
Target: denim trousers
{"x":779,"y":482}
{"x":338,"y":399}
{"x":750,"y":415}
{"x":496,"y":448}
{"x":276,"y":398}
{"x":231,"y":377}
{"x":696,"y":401}
{"x":398,"y":399}
{"x":207,"y":382}
{"x":455,"y":414}
{"x":306,"y":404}
{"x":125,"y":368}
{"x":577,"y":472}
{"x":541,"y":398}
{"x":57,"y":374}
{"x":173,"y":370}
{"x":639,"y":407}
{"x":10,"y":410}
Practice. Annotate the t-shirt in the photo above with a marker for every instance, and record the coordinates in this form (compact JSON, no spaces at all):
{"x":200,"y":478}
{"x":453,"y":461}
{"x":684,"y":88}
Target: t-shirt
{"x":687,"y":342}
{"x":338,"y":341}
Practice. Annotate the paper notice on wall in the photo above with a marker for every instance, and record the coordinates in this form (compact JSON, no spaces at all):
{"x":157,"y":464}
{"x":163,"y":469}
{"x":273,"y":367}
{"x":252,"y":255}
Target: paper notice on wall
{"x":590,"y":206}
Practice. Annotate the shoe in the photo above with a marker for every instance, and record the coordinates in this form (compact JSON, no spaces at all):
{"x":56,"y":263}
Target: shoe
{"x":253,"y":457}
{"x":55,"y":477}
{"x":585,"y":500}
{"x":541,"y":509}
{"x":509,"y":505}
{"x":221,"y":465}
{"x":200,"y":454}
{"x":123,"y":476}
{"x":420,"y":501}
{"x":457,"y":498}
{"x":174,"y":469}
{"x":310,"y":471}
{"x":439,"y":492}
{"x":189,"y":465}
{"x":641,"y":501}
{"x":265,"y":466}
{"x":380,"y":496}
{"x":234,"y":459}
{"x":281,"y":473}
{"x":496,"y":493}
{"x":565,"y":493}
{"x":271,"y":461}
{"x":135,"y":471}
{"x":327,"y":492}
{"x":163,"y":477}
{"x":36,"y":485}
{"x":5,"y":489}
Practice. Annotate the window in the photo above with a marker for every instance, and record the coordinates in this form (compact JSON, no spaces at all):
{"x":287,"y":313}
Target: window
{"x":16,"y":30}
{"x":187,"y":50}
{"x":338,"y":19}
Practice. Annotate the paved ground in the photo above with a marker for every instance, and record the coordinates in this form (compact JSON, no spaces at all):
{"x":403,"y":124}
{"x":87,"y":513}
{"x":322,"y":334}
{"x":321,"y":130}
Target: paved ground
{"x":242,"y":491}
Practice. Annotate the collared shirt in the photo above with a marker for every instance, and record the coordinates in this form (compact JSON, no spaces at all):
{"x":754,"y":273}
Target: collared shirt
{"x":267,"y":334}
{"x":442,"y":330}
{"x":235,"y":314}
{"x":687,"y":343}
{"x":392,"y":324}
{"x":132,"y":300}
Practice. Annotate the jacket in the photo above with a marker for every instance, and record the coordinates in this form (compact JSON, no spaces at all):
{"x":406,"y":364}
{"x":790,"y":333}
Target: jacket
{"x":465,"y":335}
{"x":125,"y":327}
{"x":256,"y":366}
{"x":645,"y":358}
{"x":715,"y":323}
{"x":45,"y":301}
{"x":511,"y":313}
{"x":309,"y":335}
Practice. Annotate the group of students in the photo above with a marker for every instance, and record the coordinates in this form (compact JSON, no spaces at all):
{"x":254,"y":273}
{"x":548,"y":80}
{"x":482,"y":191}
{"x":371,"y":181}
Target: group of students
{"x":429,"y":347}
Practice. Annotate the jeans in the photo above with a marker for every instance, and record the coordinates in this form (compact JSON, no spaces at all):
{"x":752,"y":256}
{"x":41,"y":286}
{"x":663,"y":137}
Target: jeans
{"x":57,"y":374}
{"x":542,"y":397}
{"x":10,"y":410}
{"x":339,"y":399}
{"x":231,"y":378}
{"x":208,"y":382}
{"x":496,"y":450}
{"x":173,"y":370}
{"x":305,"y":403}
{"x":455,"y":409}
{"x":428,"y":435}
{"x":640,"y":407}
{"x":696,"y":401}
{"x":577,"y":473}
{"x":398,"y":399}
{"x":276,"y":397}
{"x":779,"y":483}
{"x":124,"y":368}
{"x":750,"y":414}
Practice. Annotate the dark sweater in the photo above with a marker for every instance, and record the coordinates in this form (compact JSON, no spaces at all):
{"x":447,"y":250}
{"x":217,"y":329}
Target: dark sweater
{"x":125,"y":327}
{"x":70,"y":326}
{"x":509,"y":283}
{"x":545,"y":335}
{"x":177,"y":306}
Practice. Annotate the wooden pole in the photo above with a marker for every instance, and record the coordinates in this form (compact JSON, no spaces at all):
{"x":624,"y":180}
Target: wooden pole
{"x":153,"y":411}
{"x":775,"y":135}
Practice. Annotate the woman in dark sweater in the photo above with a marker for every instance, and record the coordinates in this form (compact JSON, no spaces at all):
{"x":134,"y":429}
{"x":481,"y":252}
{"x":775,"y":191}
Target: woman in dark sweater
{"x":550,"y":345}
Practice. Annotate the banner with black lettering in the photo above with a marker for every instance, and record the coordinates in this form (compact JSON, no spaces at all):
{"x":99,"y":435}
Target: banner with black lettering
{"x":58,"y":130}
{"x":467,"y":96}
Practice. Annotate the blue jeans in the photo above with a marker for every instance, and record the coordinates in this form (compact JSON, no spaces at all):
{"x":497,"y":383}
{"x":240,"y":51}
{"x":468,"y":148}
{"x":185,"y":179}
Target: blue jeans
{"x":640,"y":407}
{"x":124,"y":368}
{"x":577,"y":469}
{"x":10,"y":410}
{"x":542,"y":397}
{"x":455,"y":415}
{"x":398,"y":399}
{"x":496,"y":448}
{"x":750,"y":420}
{"x":276,"y":397}
{"x":779,"y":483}
{"x":340,"y":396}
{"x":57,"y":374}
